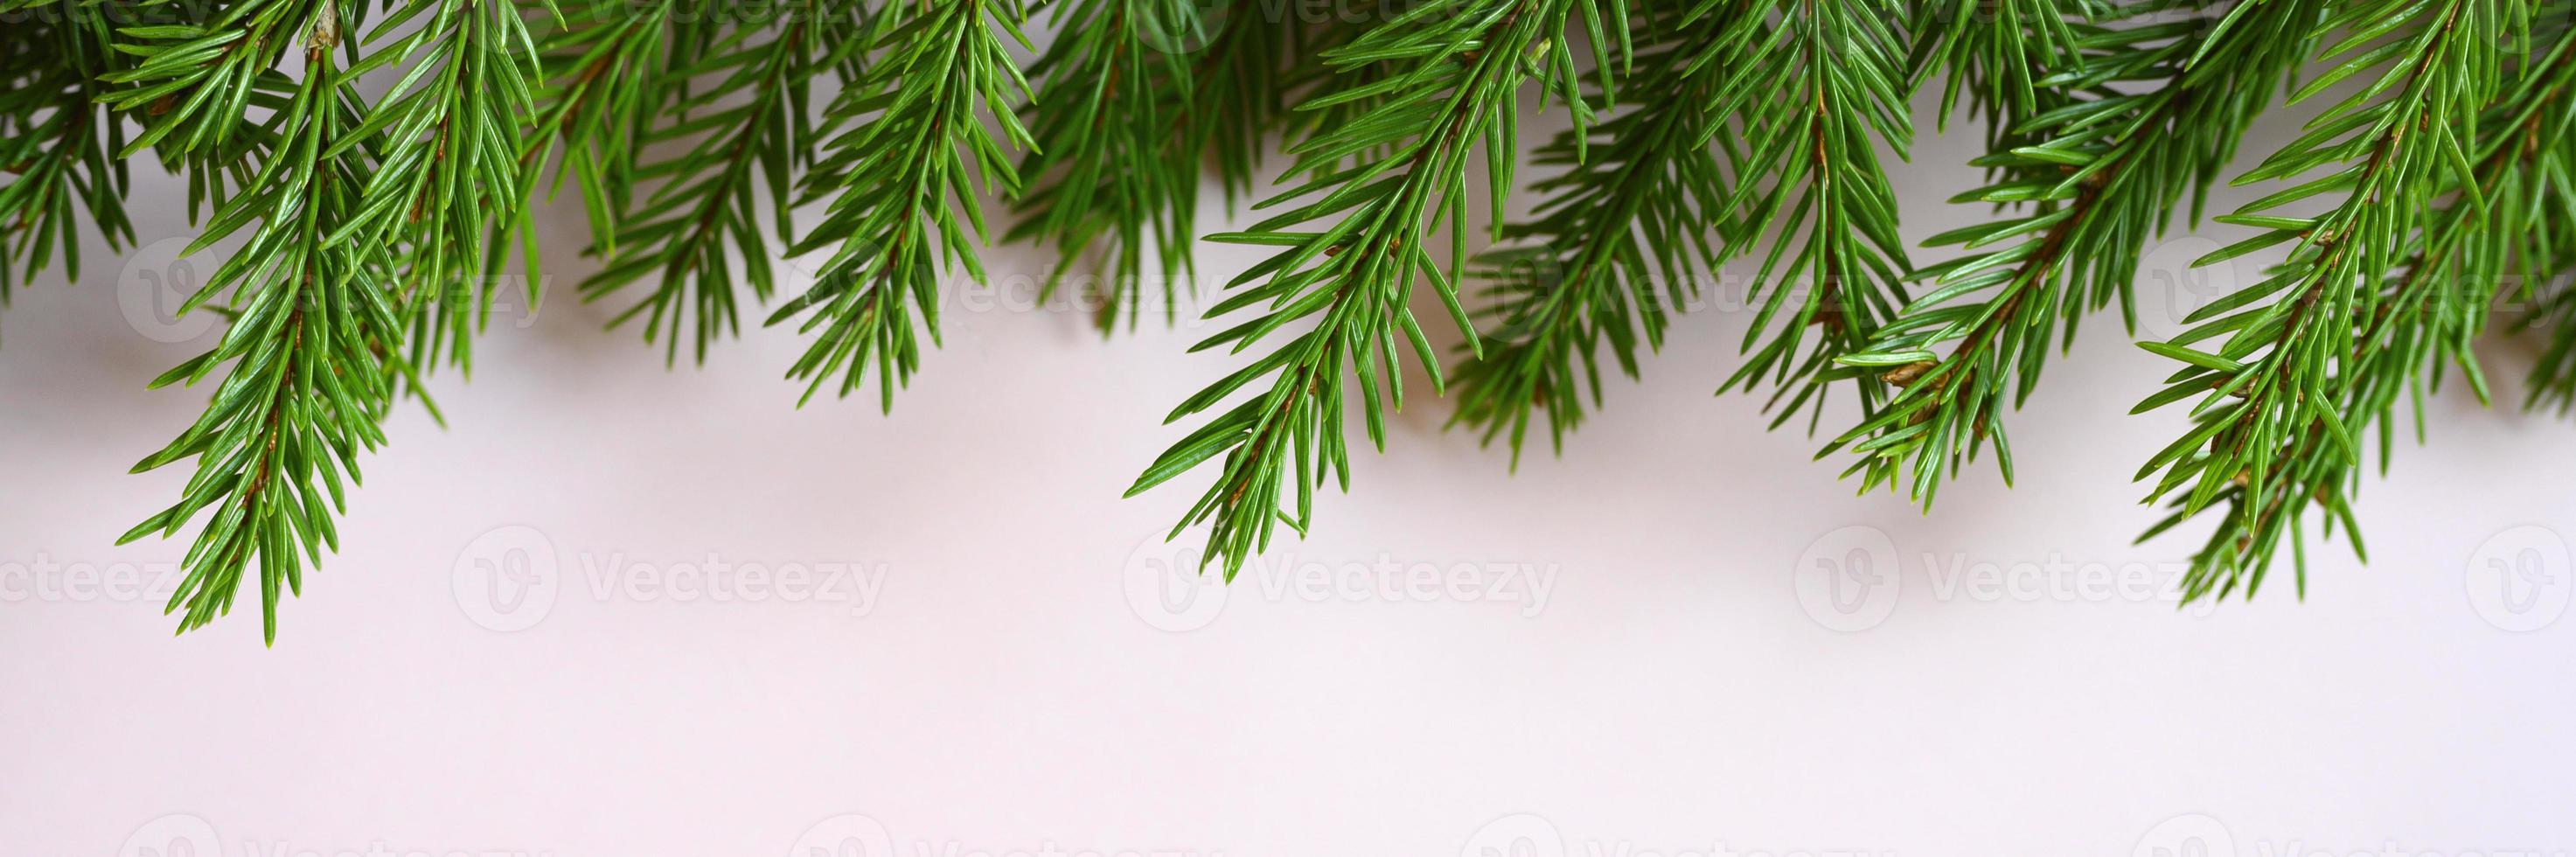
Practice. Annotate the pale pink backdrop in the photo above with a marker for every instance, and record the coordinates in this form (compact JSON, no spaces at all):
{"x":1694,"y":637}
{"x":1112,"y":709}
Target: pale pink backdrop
{"x":518,"y":649}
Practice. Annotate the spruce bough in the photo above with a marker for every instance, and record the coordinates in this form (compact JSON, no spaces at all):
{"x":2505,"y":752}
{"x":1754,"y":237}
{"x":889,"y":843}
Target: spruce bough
{"x":376,"y":163}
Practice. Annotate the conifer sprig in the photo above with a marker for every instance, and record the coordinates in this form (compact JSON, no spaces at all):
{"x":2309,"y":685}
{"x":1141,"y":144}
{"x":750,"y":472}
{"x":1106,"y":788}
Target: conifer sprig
{"x":1351,"y":258}
{"x":1313,"y":70}
{"x":2552,"y":385}
{"x":2098,"y":175}
{"x":2270,"y":436}
{"x":604,"y":74}
{"x":1113,"y":119}
{"x":1997,"y":51}
{"x":1620,"y":242}
{"x":738,"y":130}
{"x":58,"y":145}
{"x":1240,"y":89}
{"x":904,"y":156}
{"x":374,"y":219}
{"x":2498,"y":242}
{"x":1816,"y":92}
{"x":449,"y":137}
{"x":306,"y":365}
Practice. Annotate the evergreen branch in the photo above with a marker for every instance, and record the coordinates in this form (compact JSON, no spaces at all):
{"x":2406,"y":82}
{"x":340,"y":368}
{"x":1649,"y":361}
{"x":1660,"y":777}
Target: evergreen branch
{"x":912,"y":140}
{"x":1315,"y":70}
{"x":1133,"y":98}
{"x":1998,"y":51}
{"x":2469,"y":255}
{"x":449,"y":173}
{"x":1240,"y":92}
{"x":1116,"y":96}
{"x":603,"y":71}
{"x":1458,"y":69}
{"x":2552,"y":384}
{"x":1820,"y":89}
{"x":57,"y":144}
{"x":747,"y":131}
{"x":1585,"y":270}
{"x":312,"y":322}
{"x":2101,"y":175}
{"x":2274,"y":430}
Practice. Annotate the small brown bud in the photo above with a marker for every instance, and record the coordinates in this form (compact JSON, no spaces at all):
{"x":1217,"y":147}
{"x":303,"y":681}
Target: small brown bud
{"x":1903,"y":375}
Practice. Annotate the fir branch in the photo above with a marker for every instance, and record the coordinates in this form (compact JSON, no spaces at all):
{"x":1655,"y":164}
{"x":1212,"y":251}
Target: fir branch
{"x":2274,"y":430}
{"x":1116,"y":98}
{"x":2552,"y":383}
{"x":1997,"y":51}
{"x":2101,"y":173}
{"x":1240,"y":91}
{"x":1314,"y":70}
{"x":739,"y":137}
{"x":58,"y":161}
{"x":306,"y":371}
{"x":603,"y":71}
{"x":1459,"y":67}
{"x":1134,"y":98}
{"x":1618,"y":242}
{"x":912,"y":140}
{"x":2514,"y":232}
{"x":1818,"y":90}
{"x":452,"y":130}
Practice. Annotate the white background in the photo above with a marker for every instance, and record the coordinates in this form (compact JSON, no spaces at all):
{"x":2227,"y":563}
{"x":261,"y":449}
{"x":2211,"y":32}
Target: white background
{"x":1010,"y":684}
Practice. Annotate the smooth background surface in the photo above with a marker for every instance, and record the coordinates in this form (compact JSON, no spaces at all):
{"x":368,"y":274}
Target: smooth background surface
{"x":1000,"y":689}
